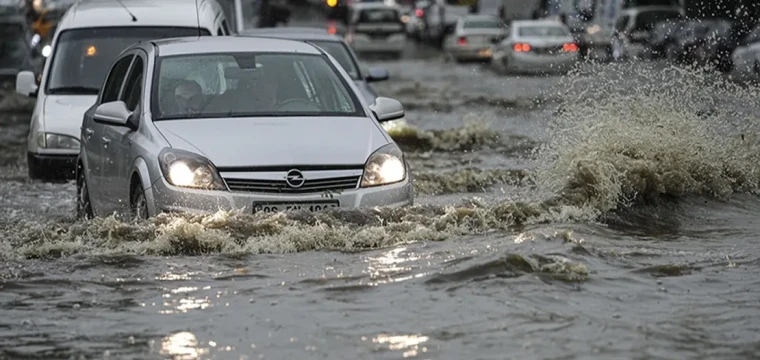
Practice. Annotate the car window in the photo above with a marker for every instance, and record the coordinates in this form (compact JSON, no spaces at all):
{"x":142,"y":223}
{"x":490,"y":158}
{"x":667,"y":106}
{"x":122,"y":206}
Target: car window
{"x":340,"y":52}
{"x":133,"y":85}
{"x":82,"y":57}
{"x":115,"y":79}
{"x":250,"y":84}
{"x":542,"y":31}
{"x":378,"y":16}
{"x":483,"y":24}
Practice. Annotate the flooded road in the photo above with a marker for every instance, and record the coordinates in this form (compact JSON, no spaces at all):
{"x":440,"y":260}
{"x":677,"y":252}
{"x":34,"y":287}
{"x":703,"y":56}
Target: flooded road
{"x":607,"y":214}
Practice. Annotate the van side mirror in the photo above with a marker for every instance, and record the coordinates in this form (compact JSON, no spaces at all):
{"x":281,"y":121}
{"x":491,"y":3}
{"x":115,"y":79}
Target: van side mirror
{"x":114,"y":113}
{"x":387,"y":109}
{"x":26,"y":84}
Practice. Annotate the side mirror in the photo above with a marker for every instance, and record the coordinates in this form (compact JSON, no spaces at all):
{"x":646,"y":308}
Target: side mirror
{"x":377,"y":74}
{"x":387,"y":109}
{"x":114,"y":113}
{"x":26,"y":84}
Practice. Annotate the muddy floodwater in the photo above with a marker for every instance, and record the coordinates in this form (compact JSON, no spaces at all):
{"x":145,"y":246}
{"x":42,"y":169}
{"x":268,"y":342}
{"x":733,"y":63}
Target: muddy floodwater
{"x":608,"y":214}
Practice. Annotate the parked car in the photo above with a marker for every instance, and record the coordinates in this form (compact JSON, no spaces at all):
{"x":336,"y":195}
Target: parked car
{"x":281,"y":128}
{"x":634,"y":26}
{"x":473,"y":37}
{"x":536,"y":46}
{"x":337,"y":48}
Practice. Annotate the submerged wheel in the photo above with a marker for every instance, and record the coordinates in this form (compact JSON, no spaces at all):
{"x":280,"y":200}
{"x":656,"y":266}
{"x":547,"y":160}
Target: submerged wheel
{"x":84,"y":207}
{"x":139,"y":204}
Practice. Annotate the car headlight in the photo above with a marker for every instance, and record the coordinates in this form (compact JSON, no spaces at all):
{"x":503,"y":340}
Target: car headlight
{"x":46,"y":50}
{"x":57,"y":141}
{"x":185,"y":169}
{"x":385,"y":166}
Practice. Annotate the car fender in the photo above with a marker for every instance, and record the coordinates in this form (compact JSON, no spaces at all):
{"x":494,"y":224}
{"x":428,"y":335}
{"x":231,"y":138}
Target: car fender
{"x":140,"y":167}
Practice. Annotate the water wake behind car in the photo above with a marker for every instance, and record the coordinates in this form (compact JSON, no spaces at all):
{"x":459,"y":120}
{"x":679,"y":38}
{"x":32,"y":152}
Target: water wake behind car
{"x":616,"y":221}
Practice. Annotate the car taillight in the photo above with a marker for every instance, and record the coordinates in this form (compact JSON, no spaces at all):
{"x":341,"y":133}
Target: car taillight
{"x":419,"y":13}
{"x":570,"y":47}
{"x":331,"y":29}
{"x":462,"y":41}
{"x":520,"y":47}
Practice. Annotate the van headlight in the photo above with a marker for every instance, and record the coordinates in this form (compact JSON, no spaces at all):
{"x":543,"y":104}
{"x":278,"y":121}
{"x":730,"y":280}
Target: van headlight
{"x":385,"y":166}
{"x":185,"y":169}
{"x":46,"y":50}
{"x":57,"y":141}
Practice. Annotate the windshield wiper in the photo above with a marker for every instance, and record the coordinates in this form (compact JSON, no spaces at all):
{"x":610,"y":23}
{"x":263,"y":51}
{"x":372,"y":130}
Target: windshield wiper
{"x":73,"y":90}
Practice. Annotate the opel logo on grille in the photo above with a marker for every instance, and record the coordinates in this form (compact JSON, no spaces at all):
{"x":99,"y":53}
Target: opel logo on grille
{"x":294,"y":178}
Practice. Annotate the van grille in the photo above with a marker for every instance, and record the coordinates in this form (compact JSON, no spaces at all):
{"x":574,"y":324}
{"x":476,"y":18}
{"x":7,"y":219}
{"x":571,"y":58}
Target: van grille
{"x":280,"y":186}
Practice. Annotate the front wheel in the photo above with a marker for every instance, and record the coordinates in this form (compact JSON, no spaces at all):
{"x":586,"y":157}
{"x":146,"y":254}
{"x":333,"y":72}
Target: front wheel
{"x":84,"y":207}
{"x":139,"y":204}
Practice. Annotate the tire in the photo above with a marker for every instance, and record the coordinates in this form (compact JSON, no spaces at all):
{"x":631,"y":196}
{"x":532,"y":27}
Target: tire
{"x":139,"y":204}
{"x":84,"y":207}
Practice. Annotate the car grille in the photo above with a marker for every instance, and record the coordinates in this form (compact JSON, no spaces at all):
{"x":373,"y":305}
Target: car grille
{"x":280,"y":186}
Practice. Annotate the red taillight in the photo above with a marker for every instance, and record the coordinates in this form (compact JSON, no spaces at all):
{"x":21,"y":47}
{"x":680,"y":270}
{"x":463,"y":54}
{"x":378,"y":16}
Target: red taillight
{"x":331,"y":29}
{"x":419,"y":13}
{"x":462,"y":41}
{"x":570,"y":47}
{"x":520,"y":47}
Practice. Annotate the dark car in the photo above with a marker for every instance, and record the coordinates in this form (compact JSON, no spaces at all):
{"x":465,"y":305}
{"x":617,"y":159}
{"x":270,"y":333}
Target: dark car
{"x":724,"y":37}
{"x":664,"y":35}
{"x":17,"y":53}
{"x":688,"y":42}
{"x":272,"y":13}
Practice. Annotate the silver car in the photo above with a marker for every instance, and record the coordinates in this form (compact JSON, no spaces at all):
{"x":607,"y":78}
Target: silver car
{"x":336,"y":47}
{"x":536,"y":46}
{"x":473,"y":37}
{"x":201,"y":124}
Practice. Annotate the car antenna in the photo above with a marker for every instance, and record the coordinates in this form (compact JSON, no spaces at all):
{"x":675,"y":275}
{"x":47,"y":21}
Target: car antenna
{"x":134,"y":19}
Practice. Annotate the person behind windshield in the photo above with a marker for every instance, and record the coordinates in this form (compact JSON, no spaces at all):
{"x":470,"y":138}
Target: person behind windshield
{"x":188,"y":97}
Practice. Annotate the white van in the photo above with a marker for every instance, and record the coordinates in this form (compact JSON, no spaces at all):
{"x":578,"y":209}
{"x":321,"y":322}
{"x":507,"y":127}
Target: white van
{"x":89,"y":37}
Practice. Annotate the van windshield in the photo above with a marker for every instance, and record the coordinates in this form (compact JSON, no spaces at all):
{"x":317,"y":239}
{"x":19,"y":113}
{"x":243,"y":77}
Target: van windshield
{"x":82,"y":57}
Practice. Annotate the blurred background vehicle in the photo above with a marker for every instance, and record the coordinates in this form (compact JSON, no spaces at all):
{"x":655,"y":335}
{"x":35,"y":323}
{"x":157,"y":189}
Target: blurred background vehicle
{"x":272,"y":13}
{"x":687,"y":42}
{"x":19,"y":51}
{"x":441,"y":18}
{"x":536,"y":46}
{"x":473,"y":37}
{"x":663,"y":35}
{"x":634,"y":28}
{"x":746,"y":57}
{"x":724,"y":39}
{"x":376,"y":28}
{"x":337,"y":48}
{"x":415,"y":27}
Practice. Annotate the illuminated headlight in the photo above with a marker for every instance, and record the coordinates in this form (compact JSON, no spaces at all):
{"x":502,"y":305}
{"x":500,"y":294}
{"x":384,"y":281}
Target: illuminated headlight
{"x":57,"y":141}
{"x":46,"y":50}
{"x":385,"y":166}
{"x":185,"y":169}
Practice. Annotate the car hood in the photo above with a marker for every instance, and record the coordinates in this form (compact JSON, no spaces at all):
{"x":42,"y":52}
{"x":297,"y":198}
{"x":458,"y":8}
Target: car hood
{"x":63,"y":113}
{"x":275,"y":141}
{"x":367,"y":91}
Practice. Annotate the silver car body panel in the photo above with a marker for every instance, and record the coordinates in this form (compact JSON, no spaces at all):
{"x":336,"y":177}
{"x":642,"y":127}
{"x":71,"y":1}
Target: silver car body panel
{"x":550,"y":59}
{"x":330,"y":152}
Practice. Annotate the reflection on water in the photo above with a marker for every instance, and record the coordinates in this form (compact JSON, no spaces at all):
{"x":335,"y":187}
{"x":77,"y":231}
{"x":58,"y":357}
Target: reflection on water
{"x":383,"y":268}
{"x":182,"y":346}
{"x":409,"y":344}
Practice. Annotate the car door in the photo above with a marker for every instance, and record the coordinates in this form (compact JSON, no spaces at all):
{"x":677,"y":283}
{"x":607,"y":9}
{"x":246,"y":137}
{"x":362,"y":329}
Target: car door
{"x":117,"y":140}
{"x":92,"y":132}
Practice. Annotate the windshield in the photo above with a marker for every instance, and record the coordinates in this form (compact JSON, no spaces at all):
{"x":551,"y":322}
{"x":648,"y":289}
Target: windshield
{"x":339,"y":51}
{"x":250,"y":84}
{"x":483,"y":24}
{"x":13,"y":50}
{"x":542,"y":31}
{"x":82,"y":57}
{"x":379,"y":16}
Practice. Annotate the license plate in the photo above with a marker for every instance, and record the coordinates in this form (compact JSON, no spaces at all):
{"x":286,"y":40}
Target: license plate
{"x":278,"y":206}
{"x":485,"y":53}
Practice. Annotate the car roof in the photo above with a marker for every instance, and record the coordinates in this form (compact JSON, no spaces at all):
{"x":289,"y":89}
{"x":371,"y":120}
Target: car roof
{"x":221,"y":44}
{"x":520,"y":23}
{"x":104,"y":13}
{"x":294,"y":33}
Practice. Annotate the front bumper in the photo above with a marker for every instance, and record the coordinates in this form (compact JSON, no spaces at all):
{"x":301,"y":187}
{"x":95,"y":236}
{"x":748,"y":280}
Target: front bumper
{"x":164,"y":197}
{"x":52,"y":166}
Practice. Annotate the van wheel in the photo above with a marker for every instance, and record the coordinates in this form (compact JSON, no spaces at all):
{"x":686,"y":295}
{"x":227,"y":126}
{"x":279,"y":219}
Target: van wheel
{"x":84,"y":207}
{"x":139,"y":204}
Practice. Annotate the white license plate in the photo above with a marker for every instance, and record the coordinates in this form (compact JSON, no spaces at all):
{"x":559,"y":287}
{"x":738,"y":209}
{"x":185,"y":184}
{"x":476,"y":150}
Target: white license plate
{"x":275,"y":207}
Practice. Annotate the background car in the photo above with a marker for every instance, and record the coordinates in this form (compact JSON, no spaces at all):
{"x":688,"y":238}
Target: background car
{"x":290,"y":132}
{"x":473,"y":37}
{"x":18,"y":50}
{"x":688,"y":42}
{"x":441,"y":18}
{"x":746,"y":57}
{"x":337,"y":48}
{"x":540,"y":46}
{"x":662,"y":36}
{"x":376,"y":28}
{"x":633,"y":29}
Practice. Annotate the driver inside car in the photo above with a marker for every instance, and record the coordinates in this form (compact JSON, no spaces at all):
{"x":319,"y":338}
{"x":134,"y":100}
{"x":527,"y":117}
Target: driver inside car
{"x":188,"y":96}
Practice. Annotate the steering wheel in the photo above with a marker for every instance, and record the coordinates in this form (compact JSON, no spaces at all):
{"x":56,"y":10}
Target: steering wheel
{"x":309,"y":106}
